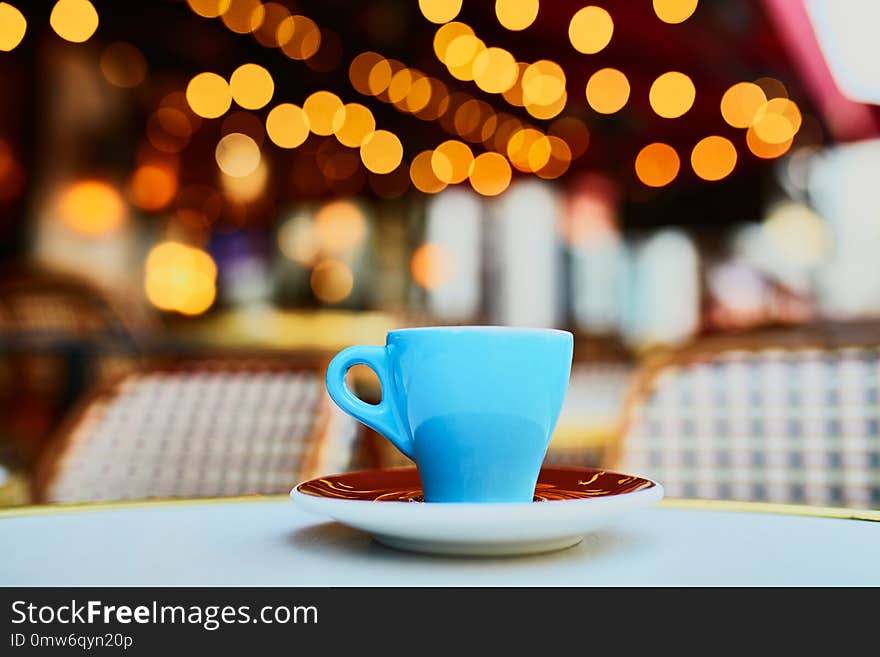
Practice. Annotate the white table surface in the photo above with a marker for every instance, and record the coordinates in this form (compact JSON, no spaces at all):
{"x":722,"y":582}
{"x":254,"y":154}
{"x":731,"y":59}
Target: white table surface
{"x":268,"y":542}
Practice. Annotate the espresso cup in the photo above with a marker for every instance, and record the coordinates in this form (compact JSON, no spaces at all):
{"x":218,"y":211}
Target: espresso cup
{"x":474,"y":407}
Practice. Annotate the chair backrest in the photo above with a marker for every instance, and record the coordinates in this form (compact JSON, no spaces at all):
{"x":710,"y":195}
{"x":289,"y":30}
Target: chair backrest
{"x":201,"y":427}
{"x":787,"y":425}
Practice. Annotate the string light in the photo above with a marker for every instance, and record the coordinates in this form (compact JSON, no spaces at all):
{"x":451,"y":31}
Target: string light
{"x":74,"y":20}
{"x":440,"y":11}
{"x":741,"y":102}
{"x":208,"y":95}
{"x":495,"y":70}
{"x":590,"y":30}
{"x":421,"y":172}
{"x":287,"y":125}
{"x":299,"y":37}
{"x":672,"y":94}
{"x":607,"y":91}
{"x":321,"y":107}
{"x":243,"y":16}
{"x":657,"y":164}
{"x":209,"y":8}
{"x":251,"y":86}
{"x":352,"y":124}
{"x":12,"y":27}
{"x":713,"y":158}
{"x":237,"y":155}
{"x":674,"y":11}
{"x":381,"y":152}
{"x":777,"y":121}
{"x":516,"y":15}
{"x":490,"y":174}
{"x":452,"y":161}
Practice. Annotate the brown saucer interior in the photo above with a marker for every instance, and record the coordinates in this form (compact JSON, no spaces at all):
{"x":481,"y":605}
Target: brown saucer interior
{"x":403,"y":485}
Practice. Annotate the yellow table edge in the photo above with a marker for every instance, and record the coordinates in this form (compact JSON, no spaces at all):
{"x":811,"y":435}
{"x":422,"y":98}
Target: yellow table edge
{"x":670,"y":503}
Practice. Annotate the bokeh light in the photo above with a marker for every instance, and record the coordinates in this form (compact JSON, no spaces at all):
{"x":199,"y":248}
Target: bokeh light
{"x":381,"y":152}
{"x":340,"y":227}
{"x":772,"y":87}
{"x":460,"y":56}
{"x":208,"y":95}
{"x":543,"y":83}
{"x":74,"y":20}
{"x":237,"y":155}
{"x":777,"y":121}
{"x":495,"y":70}
{"x":672,"y":94}
{"x":516,"y":15}
{"x":440,"y":11}
{"x":299,"y":37}
{"x":559,"y":160}
{"x":713,"y":158}
{"x":246,"y":189}
{"x":209,"y":8}
{"x":243,"y":16}
{"x":490,"y":174}
{"x":446,"y":34}
{"x":657,"y":164}
{"x":452,"y":161}
{"x":674,"y":11}
{"x":331,"y":281}
{"x":251,"y":86}
{"x":12,"y":26}
{"x":152,"y":186}
{"x":359,"y":71}
{"x":607,"y":90}
{"x":528,"y":149}
{"x":431,"y":266}
{"x":273,"y":15}
{"x":741,"y":102}
{"x":287,"y":125}
{"x":763,"y":149}
{"x":321,"y":107}
{"x":548,"y":111}
{"x":123,"y":65}
{"x":91,"y":207}
{"x":352,"y":124}
{"x":298,"y":240}
{"x":590,"y":30}
{"x":422,"y":174}
{"x":514,"y":95}
{"x":180,"y":278}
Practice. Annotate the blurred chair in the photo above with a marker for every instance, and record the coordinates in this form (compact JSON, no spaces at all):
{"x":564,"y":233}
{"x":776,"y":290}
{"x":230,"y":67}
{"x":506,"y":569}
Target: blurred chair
{"x":793,"y":420}
{"x":58,"y":334}
{"x":200,"y":427}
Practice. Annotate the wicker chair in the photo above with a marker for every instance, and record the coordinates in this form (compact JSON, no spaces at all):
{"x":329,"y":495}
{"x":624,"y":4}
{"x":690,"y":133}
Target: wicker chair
{"x":200,"y":427}
{"x":794,"y":421}
{"x":58,"y":334}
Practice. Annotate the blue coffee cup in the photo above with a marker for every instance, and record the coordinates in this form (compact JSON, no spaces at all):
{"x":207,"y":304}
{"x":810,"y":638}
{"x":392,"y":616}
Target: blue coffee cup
{"x":473,"y":406}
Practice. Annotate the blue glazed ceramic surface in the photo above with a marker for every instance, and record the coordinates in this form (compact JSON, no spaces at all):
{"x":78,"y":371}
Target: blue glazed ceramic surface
{"x":474,"y":407}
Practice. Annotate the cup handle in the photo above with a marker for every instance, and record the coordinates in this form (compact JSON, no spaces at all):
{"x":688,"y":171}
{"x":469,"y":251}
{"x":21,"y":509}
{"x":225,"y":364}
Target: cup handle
{"x":376,"y":416}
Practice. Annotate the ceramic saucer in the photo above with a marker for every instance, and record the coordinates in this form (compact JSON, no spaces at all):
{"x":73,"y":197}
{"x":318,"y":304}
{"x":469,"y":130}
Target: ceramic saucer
{"x":569,"y":502}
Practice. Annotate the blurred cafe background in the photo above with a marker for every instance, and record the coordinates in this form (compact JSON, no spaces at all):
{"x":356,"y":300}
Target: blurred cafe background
{"x":202,"y":200}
